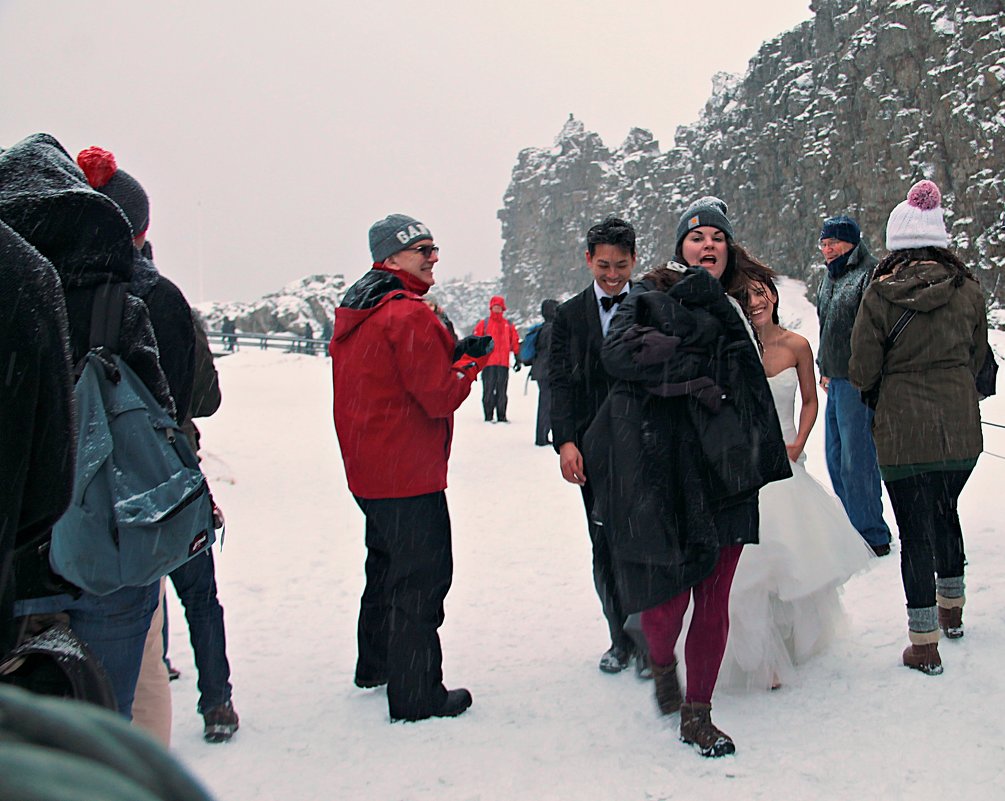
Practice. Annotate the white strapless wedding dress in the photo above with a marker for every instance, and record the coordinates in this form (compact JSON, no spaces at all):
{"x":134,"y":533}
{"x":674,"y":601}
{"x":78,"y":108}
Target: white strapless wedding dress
{"x":784,"y":605}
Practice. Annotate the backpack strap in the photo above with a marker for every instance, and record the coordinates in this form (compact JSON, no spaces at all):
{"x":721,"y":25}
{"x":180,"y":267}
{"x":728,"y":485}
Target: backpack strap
{"x":106,"y":324}
{"x":106,"y":316}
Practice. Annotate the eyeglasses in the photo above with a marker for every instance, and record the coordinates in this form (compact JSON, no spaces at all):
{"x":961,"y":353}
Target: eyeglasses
{"x":425,"y":250}
{"x":827,"y":244}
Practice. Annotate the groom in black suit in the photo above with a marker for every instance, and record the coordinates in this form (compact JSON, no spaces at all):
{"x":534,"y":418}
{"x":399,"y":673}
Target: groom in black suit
{"x":579,"y":385}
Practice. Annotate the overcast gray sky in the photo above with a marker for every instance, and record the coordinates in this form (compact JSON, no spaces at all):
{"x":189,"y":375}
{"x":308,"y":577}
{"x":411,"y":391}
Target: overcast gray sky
{"x":270,"y":135}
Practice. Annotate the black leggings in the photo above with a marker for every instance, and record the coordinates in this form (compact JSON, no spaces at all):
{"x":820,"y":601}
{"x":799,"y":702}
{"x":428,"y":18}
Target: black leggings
{"x":931,"y":540}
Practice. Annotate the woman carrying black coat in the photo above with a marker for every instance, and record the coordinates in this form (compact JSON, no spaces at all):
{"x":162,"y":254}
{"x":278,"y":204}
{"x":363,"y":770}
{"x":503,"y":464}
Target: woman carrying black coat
{"x":927,"y":425}
{"x":682,"y":445}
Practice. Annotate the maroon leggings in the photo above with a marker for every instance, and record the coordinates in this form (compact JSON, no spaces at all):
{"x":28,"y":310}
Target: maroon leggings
{"x":706,"y":636}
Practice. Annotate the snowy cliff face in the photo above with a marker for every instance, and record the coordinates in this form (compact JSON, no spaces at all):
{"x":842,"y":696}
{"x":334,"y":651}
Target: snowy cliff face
{"x":312,"y":300}
{"x":841,"y":114}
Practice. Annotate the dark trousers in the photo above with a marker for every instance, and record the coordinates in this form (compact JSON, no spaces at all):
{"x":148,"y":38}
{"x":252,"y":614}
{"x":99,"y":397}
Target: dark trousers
{"x":931,"y":540}
{"x":409,"y":567}
{"x":495,"y":378}
{"x":603,"y":578}
{"x":195,"y":583}
{"x":543,"y":413}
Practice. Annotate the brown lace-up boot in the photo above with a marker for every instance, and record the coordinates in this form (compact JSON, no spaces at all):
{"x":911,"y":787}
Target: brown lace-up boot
{"x":923,"y":652}
{"x":697,"y":729}
{"x":668,"y":694}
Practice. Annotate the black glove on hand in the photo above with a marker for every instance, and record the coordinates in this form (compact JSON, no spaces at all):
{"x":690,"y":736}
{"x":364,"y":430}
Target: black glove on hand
{"x":473,"y":346}
{"x":517,"y":366}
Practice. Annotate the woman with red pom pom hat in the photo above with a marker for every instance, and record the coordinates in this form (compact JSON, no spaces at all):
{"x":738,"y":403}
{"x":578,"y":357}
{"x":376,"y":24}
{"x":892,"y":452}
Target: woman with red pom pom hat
{"x":920,"y":337}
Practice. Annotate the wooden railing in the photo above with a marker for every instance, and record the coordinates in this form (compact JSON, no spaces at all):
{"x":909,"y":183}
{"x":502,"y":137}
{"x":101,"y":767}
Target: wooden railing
{"x":291,"y":343}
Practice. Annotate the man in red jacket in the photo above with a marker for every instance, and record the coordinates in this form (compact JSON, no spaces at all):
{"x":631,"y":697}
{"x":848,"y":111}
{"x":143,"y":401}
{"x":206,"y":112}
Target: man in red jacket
{"x":397,"y":378}
{"x":495,"y":376}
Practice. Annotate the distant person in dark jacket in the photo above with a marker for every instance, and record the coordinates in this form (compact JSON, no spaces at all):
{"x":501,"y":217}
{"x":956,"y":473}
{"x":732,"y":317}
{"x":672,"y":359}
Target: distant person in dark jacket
{"x":539,"y":372}
{"x":927,"y":425}
{"x":227,"y":328}
{"x":851,"y":453}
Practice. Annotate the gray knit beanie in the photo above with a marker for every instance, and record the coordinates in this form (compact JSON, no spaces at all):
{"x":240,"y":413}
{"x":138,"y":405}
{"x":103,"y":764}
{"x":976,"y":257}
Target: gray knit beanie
{"x":708,"y":210}
{"x":395,"y":233}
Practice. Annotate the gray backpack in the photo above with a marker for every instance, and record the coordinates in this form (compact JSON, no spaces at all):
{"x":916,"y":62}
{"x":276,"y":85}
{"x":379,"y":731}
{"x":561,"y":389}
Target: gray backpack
{"x":141,"y":506}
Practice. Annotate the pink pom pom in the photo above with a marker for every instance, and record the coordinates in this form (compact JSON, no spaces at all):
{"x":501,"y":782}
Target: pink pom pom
{"x":98,"y":165}
{"x":924,"y":195}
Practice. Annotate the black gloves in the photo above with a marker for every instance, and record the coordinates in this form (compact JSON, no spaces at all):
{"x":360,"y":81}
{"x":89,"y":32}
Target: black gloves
{"x":517,"y":366}
{"x":473,"y":346}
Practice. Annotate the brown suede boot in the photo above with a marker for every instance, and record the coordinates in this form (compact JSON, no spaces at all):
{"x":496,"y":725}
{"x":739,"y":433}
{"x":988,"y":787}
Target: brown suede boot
{"x":923,"y":652}
{"x":697,"y":729}
{"x":668,"y":694}
{"x":951,"y":617}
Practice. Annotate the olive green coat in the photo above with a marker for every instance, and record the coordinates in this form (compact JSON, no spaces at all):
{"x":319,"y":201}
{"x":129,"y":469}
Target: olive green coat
{"x":927,"y":410}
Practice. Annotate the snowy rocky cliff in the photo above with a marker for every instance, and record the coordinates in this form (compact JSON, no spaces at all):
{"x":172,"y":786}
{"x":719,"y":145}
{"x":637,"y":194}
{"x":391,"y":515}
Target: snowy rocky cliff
{"x":841,"y":114}
{"x":312,"y":300}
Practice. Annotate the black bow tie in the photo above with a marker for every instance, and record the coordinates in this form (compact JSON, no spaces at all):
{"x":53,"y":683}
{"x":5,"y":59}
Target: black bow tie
{"x":608,"y":302}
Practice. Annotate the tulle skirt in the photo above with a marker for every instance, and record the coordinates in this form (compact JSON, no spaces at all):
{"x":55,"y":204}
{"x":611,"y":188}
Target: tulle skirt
{"x":785,"y":603}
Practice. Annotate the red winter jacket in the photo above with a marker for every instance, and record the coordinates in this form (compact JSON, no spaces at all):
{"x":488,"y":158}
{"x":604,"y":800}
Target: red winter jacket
{"x":503,"y":333}
{"x":395,"y":389}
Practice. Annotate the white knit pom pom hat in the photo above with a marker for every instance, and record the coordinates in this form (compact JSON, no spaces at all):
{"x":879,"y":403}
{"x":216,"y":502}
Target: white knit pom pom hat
{"x":918,"y":221}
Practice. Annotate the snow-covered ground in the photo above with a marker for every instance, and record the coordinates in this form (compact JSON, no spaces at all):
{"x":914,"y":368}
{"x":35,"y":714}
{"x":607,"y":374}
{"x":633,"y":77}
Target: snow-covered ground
{"x":524,"y":631}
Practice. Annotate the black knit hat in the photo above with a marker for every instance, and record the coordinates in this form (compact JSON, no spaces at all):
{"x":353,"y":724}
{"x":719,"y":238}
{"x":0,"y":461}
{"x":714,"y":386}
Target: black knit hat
{"x":708,"y":210}
{"x":104,"y":175}
{"x":843,"y":228}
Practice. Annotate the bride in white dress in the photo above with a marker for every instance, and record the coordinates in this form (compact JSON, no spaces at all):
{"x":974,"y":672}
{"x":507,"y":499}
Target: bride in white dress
{"x":785,"y":606}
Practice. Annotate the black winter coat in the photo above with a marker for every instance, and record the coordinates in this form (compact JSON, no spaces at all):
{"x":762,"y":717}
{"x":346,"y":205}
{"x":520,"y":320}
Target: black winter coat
{"x":684,"y":440}
{"x":541,"y":366}
{"x":36,"y":411}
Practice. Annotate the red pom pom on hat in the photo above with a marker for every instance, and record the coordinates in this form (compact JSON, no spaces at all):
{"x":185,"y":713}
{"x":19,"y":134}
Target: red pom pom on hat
{"x":924,"y":195}
{"x":99,"y":166}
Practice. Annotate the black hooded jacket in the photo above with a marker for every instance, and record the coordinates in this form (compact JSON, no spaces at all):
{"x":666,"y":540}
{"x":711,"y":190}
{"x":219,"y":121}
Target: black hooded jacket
{"x":45,"y":198}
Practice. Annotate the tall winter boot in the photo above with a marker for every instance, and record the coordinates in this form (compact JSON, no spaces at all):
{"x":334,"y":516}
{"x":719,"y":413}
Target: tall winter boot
{"x":667,"y":686}
{"x":950,"y":599}
{"x":923,"y":652}
{"x":697,"y":729}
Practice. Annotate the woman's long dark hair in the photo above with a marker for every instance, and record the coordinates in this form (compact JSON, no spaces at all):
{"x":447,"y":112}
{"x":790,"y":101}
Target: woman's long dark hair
{"x":901,"y":258}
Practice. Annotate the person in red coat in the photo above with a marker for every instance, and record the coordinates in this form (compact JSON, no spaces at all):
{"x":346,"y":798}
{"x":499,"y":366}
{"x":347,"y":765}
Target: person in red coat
{"x":397,"y":378}
{"x":495,"y":376}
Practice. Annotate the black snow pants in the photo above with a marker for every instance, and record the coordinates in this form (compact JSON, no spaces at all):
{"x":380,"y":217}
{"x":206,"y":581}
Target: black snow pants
{"x":495,"y":378}
{"x":409,"y":568}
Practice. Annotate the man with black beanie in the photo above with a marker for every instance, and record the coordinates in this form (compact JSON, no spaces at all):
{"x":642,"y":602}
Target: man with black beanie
{"x":850,"y":450}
